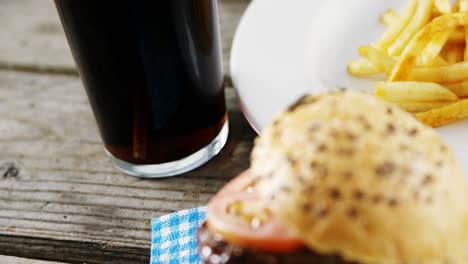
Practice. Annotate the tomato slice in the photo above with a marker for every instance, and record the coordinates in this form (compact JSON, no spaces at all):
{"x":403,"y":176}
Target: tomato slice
{"x":240,"y":217}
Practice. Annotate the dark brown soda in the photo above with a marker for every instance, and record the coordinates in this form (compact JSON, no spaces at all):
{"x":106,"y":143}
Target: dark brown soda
{"x":152,"y":70}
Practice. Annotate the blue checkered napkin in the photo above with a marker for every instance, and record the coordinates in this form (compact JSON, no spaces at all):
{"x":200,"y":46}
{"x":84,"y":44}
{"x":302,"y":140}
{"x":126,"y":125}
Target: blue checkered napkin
{"x":173,"y":237}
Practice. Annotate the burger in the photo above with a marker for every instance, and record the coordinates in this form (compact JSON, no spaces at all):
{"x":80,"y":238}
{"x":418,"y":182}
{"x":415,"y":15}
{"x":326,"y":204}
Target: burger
{"x":342,"y":178}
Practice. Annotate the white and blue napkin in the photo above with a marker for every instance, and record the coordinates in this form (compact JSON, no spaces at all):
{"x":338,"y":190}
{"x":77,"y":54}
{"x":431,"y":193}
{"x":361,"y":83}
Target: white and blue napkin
{"x":173,"y":237}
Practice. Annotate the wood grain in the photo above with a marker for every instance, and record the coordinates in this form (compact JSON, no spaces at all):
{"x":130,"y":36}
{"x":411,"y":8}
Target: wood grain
{"x":29,"y":26}
{"x":16,"y":260}
{"x":60,"y":199}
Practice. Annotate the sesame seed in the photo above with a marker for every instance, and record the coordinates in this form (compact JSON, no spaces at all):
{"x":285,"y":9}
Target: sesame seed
{"x":439,"y":163}
{"x":428,"y":179}
{"x":392,"y":202}
{"x":385,"y":169}
{"x":322,"y":148}
{"x":314,"y":164}
{"x":322,"y":171}
{"x":322,"y":212}
{"x":319,"y":169}
{"x":292,"y":161}
{"x":443,"y":148}
{"x":300,"y":179}
{"x":364,"y":122}
{"x":306,"y":207}
{"x":391,"y":129}
{"x":285,"y":189}
{"x":335,"y":194}
{"x":315,"y":127}
{"x":353,"y":213}
{"x":389,"y":111}
{"x":413,"y":132}
{"x":377,"y":198}
{"x":350,"y":136}
{"x":358,"y":194}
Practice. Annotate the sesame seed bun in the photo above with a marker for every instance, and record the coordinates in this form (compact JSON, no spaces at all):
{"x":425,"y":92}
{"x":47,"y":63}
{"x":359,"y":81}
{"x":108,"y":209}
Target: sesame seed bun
{"x":356,"y":176}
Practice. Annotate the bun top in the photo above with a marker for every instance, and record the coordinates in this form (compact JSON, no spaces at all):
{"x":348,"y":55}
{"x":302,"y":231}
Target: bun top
{"x":356,"y":176}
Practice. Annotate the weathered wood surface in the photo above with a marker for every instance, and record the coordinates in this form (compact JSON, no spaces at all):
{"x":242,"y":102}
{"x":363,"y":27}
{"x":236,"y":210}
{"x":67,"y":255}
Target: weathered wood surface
{"x":16,"y":260}
{"x":60,"y":199}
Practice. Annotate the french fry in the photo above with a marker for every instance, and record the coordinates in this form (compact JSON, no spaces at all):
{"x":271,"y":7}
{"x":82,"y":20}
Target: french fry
{"x":392,"y":33}
{"x":463,"y":5}
{"x":452,"y":73}
{"x":379,"y":59}
{"x":390,"y":17}
{"x":362,"y":67}
{"x":440,"y":25}
{"x":413,"y":91}
{"x":443,"y":6}
{"x":433,"y":48}
{"x":439,"y":61}
{"x":382,"y":62}
{"x":417,"y":106}
{"x":444,"y":115}
{"x":424,"y":53}
{"x":444,"y":53}
{"x":456,"y":6}
{"x":457,"y":36}
{"x":454,"y":53}
{"x":421,"y":17}
{"x":460,"y":88}
{"x":435,"y":13}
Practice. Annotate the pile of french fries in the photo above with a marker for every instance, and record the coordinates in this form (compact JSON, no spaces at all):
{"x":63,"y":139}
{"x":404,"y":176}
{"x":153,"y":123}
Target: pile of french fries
{"x":423,"y":57}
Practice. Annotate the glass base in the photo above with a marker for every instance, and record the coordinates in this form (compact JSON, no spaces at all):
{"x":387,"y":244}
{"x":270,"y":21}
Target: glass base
{"x":175,"y":167}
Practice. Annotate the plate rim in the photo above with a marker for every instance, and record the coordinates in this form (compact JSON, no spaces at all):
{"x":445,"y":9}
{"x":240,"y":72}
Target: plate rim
{"x":233,"y":56}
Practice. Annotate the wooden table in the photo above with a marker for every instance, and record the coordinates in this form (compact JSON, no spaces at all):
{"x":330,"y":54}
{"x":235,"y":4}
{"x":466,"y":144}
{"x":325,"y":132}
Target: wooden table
{"x":60,"y":198}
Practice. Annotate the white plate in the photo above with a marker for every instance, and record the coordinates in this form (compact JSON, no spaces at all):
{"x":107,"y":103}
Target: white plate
{"x":286,"y":48}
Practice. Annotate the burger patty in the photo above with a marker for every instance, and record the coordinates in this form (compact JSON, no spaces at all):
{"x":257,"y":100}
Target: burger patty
{"x":213,"y":249}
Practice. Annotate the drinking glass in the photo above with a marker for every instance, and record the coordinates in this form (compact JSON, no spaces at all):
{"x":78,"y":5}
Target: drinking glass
{"x":153,"y":74}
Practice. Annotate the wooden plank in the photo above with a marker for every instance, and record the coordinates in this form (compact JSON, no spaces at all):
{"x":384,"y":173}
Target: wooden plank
{"x":61,"y":200}
{"x":230,"y":13}
{"x":15,"y":260}
{"x":29,"y":26}
{"x":72,"y":252}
